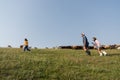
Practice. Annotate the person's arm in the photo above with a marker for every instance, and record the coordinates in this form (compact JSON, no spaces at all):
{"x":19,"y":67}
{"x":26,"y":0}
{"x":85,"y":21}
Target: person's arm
{"x":84,"y":41}
{"x":24,"y":43}
{"x":93,"y":43}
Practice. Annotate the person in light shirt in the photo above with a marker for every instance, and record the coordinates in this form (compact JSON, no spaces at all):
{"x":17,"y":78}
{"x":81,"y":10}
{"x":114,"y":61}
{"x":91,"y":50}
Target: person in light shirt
{"x":97,"y":45}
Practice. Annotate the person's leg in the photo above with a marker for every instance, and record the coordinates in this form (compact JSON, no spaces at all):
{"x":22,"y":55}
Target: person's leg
{"x":104,"y":53}
{"x":99,"y":51}
{"x":28,"y":48}
{"x":25,"y":48}
{"x":87,"y":50}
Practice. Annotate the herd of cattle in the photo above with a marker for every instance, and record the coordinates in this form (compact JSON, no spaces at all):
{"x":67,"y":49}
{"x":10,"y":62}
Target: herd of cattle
{"x":91,"y":47}
{"x":115,"y":46}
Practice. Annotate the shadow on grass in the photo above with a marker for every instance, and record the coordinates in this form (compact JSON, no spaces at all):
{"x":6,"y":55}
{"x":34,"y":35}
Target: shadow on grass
{"x":115,"y":54}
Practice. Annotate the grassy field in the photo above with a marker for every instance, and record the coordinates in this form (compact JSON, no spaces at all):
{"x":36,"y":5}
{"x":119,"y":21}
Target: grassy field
{"x":51,"y":64}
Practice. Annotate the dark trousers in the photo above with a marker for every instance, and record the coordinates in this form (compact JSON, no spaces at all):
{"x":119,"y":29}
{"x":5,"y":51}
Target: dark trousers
{"x":26,"y":48}
{"x":87,"y":51}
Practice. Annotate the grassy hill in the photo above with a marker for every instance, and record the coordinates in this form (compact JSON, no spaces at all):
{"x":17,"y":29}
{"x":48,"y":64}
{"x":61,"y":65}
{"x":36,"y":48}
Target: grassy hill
{"x":51,"y":64}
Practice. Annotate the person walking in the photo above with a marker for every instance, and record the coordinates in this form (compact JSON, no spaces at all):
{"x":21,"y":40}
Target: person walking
{"x":97,"y":45}
{"x":85,"y":44}
{"x":26,"y":45}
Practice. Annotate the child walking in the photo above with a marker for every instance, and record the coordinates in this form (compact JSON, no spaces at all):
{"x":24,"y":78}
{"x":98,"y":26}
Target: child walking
{"x":97,"y":45}
{"x":26,"y":45}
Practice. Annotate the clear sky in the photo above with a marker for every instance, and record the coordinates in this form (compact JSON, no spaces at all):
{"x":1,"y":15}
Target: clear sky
{"x":50,"y":23}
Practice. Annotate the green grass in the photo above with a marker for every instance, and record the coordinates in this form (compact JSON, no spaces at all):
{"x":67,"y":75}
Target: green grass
{"x":53,"y":64}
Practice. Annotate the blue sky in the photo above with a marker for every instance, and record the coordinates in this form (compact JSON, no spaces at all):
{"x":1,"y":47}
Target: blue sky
{"x":49,"y":23}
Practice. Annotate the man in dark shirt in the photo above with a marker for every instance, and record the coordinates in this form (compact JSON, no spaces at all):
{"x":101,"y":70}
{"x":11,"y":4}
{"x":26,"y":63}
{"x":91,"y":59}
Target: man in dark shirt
{"x":85,"y":44}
